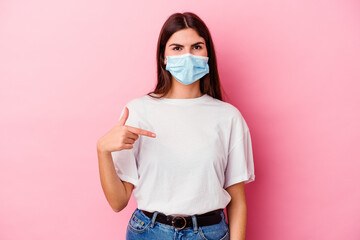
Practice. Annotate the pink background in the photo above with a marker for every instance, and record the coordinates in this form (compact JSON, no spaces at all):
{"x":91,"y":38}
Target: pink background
{"x":68,"y":67}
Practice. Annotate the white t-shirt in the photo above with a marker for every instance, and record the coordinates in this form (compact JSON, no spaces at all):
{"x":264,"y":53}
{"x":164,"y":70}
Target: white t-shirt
{"x":202,"y":146}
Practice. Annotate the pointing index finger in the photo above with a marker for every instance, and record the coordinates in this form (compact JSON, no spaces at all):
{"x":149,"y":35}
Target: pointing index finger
{"x":141,"y":131}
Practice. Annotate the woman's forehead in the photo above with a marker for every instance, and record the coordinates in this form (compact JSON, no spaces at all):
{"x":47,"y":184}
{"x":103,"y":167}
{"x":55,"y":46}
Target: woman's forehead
{"x":185,"y":37}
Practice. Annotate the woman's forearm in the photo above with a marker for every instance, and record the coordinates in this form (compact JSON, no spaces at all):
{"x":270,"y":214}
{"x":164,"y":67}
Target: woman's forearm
{"x":236,"y":213}
{"x":111,"y":184}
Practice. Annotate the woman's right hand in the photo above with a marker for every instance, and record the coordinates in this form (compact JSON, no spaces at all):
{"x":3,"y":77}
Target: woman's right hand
{"x":121,"y":136}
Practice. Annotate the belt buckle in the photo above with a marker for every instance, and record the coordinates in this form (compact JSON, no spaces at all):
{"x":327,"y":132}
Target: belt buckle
{"x":173,"y":221}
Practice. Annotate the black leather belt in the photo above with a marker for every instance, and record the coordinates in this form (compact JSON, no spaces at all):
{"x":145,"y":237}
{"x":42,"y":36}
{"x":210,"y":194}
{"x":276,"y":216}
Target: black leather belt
{"x":179,"y":222}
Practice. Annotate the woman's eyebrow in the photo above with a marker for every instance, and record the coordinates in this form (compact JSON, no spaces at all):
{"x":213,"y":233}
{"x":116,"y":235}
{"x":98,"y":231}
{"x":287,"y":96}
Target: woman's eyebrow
{"x":176,"y":44}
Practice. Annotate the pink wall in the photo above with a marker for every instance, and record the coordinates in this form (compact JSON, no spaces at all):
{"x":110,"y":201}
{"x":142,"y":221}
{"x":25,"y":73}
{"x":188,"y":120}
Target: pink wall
{"x":68,"y":67}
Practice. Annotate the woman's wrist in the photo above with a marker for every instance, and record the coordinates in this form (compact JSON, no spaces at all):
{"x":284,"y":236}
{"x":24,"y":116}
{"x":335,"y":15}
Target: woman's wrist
{"x":100,"y":148}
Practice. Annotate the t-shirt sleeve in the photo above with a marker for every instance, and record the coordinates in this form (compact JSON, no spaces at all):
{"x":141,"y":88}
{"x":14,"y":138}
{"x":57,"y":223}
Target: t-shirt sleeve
{"x":125,"y":160}
{"x":240,"y":162}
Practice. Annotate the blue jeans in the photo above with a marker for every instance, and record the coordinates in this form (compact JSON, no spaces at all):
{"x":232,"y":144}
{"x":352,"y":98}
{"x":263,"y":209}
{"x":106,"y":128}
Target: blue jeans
{"x":141,"y":226}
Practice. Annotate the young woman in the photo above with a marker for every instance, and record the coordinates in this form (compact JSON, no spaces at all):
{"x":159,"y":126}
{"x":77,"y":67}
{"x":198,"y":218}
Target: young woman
{"x":184,"y":151}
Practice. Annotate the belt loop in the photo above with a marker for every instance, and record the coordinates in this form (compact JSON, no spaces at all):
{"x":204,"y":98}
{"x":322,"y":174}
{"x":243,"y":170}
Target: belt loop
{"x":194,"y":223}
{"x":153,"y":219}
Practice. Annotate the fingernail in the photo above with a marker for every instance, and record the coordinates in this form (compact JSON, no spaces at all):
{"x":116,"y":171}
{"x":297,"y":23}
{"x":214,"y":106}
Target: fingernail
{"x":154,"y":135}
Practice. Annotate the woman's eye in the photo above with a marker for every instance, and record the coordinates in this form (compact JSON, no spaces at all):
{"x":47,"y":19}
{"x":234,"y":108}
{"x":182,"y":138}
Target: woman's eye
{"x":178,"y":48}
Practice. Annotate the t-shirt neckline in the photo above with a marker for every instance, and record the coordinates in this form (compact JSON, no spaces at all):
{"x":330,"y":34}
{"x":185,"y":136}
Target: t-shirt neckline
{"x":181,"y":100}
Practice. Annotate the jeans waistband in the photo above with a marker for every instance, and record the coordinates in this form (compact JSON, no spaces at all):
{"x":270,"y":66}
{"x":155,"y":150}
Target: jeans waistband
{"x":179,"y":222}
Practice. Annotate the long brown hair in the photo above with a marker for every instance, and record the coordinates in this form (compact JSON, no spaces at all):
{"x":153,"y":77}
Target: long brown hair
{"x":210,"y":83}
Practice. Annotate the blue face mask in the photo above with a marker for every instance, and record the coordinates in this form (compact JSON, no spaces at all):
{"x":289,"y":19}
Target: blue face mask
{"x":187,"y":68}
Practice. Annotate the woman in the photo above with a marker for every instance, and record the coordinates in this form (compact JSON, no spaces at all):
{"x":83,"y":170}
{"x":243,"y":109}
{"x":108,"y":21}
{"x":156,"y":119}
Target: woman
{"x":184,"y":151}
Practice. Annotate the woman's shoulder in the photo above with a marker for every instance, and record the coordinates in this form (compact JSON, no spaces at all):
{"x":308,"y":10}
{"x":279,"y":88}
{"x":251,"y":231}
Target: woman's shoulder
{"x":228,"y":109}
